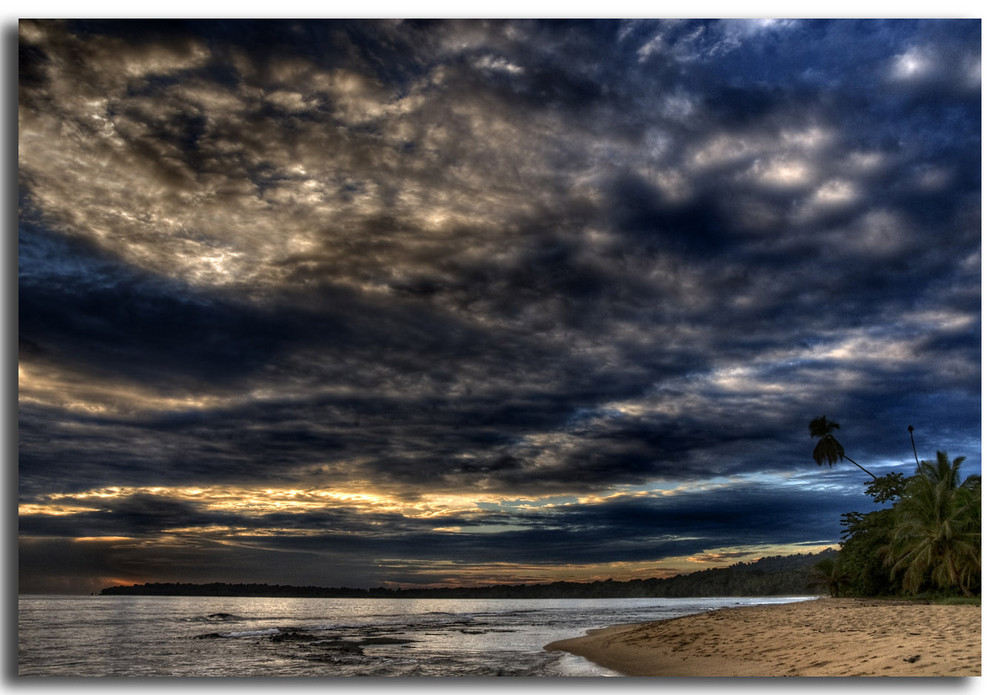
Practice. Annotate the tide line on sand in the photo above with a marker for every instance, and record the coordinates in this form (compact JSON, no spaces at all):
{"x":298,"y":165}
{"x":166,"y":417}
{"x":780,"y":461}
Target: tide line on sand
{"x":825,"y":637}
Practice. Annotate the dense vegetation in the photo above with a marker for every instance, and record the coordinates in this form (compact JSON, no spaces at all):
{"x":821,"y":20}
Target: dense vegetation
{"x":770,"y":576}
{"x":927,"y":542}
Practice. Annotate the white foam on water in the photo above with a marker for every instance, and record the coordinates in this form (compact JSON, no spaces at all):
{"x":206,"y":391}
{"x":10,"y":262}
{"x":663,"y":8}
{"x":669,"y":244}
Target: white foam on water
{"x":573,"y":666}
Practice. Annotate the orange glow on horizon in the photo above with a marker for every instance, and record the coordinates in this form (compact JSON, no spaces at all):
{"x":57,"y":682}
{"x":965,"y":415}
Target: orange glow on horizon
{"x":53,"y":509}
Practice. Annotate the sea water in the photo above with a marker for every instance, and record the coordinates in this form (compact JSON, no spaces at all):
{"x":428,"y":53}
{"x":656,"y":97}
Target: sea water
{"x":314,"y":637}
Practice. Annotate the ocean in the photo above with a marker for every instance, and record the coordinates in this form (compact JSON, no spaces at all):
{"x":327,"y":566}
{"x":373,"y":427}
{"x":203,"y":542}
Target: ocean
{"x":311,"y":637}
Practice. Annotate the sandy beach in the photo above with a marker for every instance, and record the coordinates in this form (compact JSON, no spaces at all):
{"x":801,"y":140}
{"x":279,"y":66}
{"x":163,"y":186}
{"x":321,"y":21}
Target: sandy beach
{"x":825,"y":637}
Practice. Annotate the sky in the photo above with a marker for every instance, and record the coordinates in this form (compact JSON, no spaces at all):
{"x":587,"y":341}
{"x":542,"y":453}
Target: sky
{"x":382,"y":303}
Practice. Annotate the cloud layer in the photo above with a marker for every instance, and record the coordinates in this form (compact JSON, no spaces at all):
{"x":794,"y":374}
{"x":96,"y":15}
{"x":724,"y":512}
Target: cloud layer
{"x":487,"y":261}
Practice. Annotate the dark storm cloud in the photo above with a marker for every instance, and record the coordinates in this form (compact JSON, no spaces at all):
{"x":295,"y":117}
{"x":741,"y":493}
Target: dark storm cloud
{"x":147,"y":329}
{"x":518,"y":259}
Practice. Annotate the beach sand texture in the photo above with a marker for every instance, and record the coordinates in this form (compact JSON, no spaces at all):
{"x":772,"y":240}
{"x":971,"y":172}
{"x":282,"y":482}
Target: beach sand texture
{"x":825,"y":637}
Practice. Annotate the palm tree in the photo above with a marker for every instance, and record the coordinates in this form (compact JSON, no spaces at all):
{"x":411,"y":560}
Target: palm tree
{"x":828,"y":450}
{"x":938,"y":530}
{"x":827,"y":573}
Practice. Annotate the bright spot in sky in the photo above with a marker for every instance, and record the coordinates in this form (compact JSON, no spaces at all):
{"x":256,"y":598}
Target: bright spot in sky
{"x":912,"y":64}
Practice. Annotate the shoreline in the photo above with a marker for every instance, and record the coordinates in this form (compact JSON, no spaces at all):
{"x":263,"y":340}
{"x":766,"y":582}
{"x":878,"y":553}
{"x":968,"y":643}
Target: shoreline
{"x":819,"y":638}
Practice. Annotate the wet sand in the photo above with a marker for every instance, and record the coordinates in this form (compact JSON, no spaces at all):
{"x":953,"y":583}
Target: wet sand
{"x":825,"y":637}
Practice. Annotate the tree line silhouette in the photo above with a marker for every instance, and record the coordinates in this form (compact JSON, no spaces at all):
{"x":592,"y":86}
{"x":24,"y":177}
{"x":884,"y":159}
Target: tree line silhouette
{"x":782,"y":575}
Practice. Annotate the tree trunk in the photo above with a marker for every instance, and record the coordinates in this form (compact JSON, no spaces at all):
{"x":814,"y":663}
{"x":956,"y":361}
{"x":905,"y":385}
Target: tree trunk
{"x":874,"y":477}
{"x":956,"y":577}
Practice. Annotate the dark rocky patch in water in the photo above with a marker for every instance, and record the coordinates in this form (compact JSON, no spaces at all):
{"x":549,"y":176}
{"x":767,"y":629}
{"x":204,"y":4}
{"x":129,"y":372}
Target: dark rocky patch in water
{"x":338,"y":645}
{"x":312,"y":641}
{"x":386,"y":640}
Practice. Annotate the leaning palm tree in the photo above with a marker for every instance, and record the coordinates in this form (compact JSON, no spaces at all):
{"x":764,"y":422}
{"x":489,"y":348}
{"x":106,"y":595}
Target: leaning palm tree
{"x":938,"y":530}
{"x":828,"y":450}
